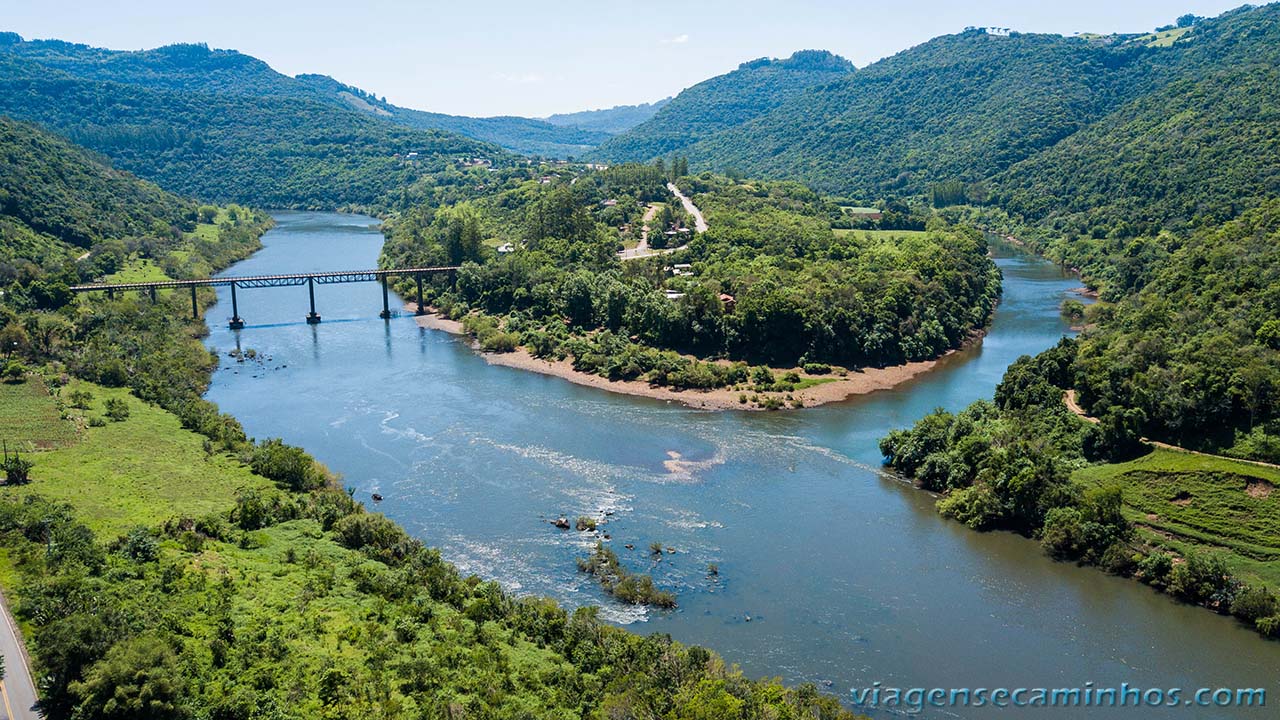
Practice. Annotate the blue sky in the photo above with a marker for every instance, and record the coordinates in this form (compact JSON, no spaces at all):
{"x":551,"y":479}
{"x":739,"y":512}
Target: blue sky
{"x":535,"y":58}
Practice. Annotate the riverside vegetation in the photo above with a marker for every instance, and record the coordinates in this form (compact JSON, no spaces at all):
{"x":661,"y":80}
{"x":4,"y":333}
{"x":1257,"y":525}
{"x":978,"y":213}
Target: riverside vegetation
{"x":164,"y":565}
{"x":770,"y":284}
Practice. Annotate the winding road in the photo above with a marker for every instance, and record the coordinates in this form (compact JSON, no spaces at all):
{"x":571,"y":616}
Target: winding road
{"x":700,"y":223}
{"x":642,"y":249}
{"x":17,"y":690}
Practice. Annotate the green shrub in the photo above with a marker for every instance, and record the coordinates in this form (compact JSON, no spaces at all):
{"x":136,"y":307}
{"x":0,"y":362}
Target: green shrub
{"x":288,"y":466}
{"x":81,"y":399}
{"x":117,"y":409}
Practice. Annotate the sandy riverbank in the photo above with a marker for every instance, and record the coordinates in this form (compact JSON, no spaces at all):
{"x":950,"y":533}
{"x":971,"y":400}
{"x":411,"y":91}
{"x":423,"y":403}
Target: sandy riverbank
{"x":855,"y":383}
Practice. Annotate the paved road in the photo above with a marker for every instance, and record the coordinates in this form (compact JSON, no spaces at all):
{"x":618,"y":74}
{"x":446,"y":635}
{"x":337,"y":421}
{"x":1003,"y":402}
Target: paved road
{"x":700,"y":223}
{"x":17,"y":692}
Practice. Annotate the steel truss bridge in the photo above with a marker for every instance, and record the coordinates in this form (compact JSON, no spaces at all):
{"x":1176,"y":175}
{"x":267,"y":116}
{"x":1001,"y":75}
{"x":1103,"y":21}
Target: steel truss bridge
{"x":270,"y":281}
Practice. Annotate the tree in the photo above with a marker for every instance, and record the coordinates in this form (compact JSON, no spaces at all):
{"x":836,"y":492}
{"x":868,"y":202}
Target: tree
{"x":138,"y":679}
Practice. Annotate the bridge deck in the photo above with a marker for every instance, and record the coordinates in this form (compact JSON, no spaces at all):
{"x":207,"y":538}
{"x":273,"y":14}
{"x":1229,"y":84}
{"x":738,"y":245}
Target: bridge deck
{"x":253,"y":281}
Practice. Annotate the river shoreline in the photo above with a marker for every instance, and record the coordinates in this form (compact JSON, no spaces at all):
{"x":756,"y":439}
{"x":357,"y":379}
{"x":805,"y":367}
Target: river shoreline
{"x":859,"y":382}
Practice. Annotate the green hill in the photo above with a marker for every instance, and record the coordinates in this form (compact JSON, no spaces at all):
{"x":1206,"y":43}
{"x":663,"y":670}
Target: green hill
{"x":1086,"y":135}
{"x":960,"y":106}
{"x":1196,"y":150}
{"x":724,"y":102}
{"x":54,"y":195}
{"x":219,"y":126}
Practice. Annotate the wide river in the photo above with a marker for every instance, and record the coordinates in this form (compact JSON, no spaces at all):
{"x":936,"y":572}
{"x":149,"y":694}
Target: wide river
{"x":830,"y":571}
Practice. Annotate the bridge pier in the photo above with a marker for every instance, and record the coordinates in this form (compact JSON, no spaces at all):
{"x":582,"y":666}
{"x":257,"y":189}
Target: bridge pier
{"x":422,"y":309}
{"x":195,"y":307}
{"x":386,"y":306}
{"x":312,"y":317}
{"x":153,"y":293}
{"x":237,"y":322}
{"x":111,"y":293}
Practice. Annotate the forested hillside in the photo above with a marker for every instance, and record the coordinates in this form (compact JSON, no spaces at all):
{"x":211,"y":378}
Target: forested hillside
{"x":957,"y":107}
{"x":1197,"y":150}
{"x":52,"y":188}
{"x":269,"y":150}
{"x":188,"y":68}
{"x":1088,"y":134}
{"x":724,"y":102}
{"x":611,"y":120}
{"x":68,"y":217}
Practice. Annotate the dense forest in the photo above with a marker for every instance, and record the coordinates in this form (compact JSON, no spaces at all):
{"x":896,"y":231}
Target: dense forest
{"x":723,"y":102}
{"x":227,"y":145}
{"x":769,"y":284}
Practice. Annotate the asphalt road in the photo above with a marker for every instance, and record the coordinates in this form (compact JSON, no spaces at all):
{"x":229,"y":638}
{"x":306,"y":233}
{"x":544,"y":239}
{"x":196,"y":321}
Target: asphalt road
{"x":17,"y":691}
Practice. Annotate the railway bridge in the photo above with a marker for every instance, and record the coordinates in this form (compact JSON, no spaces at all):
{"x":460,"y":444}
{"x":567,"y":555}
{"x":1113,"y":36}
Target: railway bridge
{"x":151,"y":289}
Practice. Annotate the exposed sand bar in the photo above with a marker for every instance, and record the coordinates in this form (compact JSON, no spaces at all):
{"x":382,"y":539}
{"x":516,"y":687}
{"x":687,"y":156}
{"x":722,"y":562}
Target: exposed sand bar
{"x":855,"y":383}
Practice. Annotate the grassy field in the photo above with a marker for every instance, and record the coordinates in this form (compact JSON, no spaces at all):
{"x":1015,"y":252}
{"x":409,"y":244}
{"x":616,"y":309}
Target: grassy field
{"x":30,"y":418}
{"x":141,"y":471}
{"x":1164,"y":38}
{"x":137,"y":270}
{"x":881,"y":234}
{"x":1183,"y":501}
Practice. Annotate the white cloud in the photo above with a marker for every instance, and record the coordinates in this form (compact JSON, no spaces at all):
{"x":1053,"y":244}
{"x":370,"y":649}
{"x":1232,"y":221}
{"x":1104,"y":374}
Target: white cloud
{"x":680,"y":39}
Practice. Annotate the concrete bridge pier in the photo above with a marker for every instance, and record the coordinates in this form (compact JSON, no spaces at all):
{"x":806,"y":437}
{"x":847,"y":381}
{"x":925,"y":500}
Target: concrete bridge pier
{"x":386,"y":305}
{"x":237,"y":323}
{"x":422,"y":309}
{"x":312,"y":317}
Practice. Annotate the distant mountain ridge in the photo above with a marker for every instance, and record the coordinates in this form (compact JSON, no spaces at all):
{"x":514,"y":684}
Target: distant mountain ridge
{"x":724,"y":102}
{"x":527,"y":136}
{"x":188,"y":67}
{"x":614,"y":120}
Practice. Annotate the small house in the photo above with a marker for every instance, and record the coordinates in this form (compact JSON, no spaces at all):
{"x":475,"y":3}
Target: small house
{"x":506,"y":248}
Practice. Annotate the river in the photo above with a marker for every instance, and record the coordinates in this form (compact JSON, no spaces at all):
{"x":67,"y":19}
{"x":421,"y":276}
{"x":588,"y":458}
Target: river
{"x":830,"y":571}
